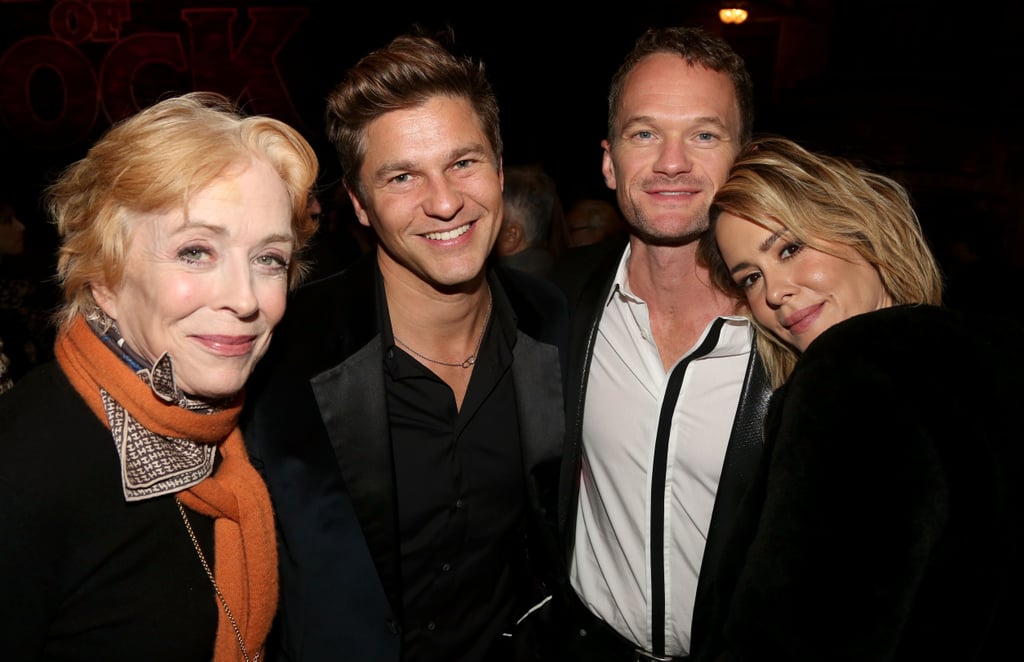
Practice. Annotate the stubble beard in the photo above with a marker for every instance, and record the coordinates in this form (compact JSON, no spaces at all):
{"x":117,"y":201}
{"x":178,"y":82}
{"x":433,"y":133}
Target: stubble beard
{"x":652,"y":235}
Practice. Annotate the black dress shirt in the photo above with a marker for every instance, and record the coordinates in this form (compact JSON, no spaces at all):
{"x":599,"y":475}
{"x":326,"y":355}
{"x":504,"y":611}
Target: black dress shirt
{"x":461,"y":501}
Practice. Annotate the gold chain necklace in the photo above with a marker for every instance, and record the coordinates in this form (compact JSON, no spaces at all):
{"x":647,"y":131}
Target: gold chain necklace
{"x":471,"y":359}
{"x":216,"y":588}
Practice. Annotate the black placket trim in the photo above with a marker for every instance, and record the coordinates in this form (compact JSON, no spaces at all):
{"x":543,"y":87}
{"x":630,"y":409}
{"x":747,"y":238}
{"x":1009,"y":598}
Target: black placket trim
{"x":668,"y":406}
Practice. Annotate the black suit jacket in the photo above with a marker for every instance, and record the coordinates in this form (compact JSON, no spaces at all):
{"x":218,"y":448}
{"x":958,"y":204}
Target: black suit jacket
{"x":586,"y":275}
{"x":316,"y":425}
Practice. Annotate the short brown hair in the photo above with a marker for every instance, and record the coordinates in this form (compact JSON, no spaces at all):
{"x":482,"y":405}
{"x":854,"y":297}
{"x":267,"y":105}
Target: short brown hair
{"x":406,"y":73}
{"x":697,"y":47}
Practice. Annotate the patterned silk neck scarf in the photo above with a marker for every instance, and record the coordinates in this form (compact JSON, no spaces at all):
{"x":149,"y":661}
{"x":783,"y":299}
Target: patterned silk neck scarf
{"x":153,"y":464}
{"x":167,"y":441}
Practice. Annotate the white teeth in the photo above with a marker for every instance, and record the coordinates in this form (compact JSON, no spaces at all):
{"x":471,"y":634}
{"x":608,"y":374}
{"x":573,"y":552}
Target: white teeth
{"x":450,"y":234}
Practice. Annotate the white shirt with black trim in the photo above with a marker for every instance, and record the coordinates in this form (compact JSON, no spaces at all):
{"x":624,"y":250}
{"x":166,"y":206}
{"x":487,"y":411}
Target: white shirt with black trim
{"x":626,"y":392}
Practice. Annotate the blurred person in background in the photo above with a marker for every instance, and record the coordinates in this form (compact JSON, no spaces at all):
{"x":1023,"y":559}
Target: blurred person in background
{"x":532,"y":208}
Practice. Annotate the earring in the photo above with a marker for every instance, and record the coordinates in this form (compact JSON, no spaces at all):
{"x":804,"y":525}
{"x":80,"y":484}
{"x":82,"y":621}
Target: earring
{"x":99,"y":320}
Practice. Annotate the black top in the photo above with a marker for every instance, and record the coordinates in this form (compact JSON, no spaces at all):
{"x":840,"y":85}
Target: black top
{"x":461,"y":502}
{"x":84,"y":574}
{"x":892,"y":517}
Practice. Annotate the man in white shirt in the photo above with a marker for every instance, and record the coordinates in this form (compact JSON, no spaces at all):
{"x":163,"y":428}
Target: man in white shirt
{"x":665,"y":390}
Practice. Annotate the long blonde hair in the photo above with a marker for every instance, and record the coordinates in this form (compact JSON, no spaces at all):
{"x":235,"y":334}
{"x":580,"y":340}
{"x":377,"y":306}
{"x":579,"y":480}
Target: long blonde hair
{"x":816,"y":198}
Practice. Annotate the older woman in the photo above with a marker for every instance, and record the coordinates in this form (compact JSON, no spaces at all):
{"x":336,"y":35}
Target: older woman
{"x":885,"y":523}
{"x":133,"y":526}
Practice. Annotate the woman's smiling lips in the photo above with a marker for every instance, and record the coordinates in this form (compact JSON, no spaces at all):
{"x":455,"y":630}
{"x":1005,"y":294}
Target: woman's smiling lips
{"x":227,"y":345}
{"x":802,"y":319}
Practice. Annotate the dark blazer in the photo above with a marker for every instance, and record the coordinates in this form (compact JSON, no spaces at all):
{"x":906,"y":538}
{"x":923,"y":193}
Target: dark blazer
{"x":316,"y":425}
{"x":586,"y":275}
{"x":887,"y":519}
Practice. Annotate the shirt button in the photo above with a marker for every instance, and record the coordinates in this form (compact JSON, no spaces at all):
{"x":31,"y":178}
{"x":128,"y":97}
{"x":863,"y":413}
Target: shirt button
{"x":446,"y":567}
{"x":458,"y":503}
{"x":431,"y":626}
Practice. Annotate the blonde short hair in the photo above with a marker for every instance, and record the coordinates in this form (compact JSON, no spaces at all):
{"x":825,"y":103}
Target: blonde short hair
{"x":153,"y":162}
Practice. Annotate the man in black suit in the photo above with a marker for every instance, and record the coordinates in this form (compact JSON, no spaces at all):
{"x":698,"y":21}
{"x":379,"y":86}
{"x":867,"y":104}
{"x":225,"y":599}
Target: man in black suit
{"x":409,"y":417}
{"x":665,"y":389}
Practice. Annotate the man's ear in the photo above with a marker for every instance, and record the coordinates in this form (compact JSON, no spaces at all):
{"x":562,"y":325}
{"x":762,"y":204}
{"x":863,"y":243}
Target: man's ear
{"x":608,"y":165}
{"x":358,"y":208}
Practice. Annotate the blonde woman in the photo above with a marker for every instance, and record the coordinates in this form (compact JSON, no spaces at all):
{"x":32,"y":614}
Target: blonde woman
{"x":891,"y":520}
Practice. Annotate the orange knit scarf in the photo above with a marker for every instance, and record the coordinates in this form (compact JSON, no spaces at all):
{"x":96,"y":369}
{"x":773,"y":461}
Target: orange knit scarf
{"x":245,"y":555}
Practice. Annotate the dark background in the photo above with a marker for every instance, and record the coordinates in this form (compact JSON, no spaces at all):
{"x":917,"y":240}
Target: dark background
{"x":925,"y":93}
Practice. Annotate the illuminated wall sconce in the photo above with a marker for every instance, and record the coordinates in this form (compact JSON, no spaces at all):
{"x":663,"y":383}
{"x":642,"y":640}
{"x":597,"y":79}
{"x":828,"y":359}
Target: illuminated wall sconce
{"x":732,"y":14}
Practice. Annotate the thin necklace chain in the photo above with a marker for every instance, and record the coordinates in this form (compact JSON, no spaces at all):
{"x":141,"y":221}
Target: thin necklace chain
{"x":216,"y":588}
{"x":471,"y":359}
